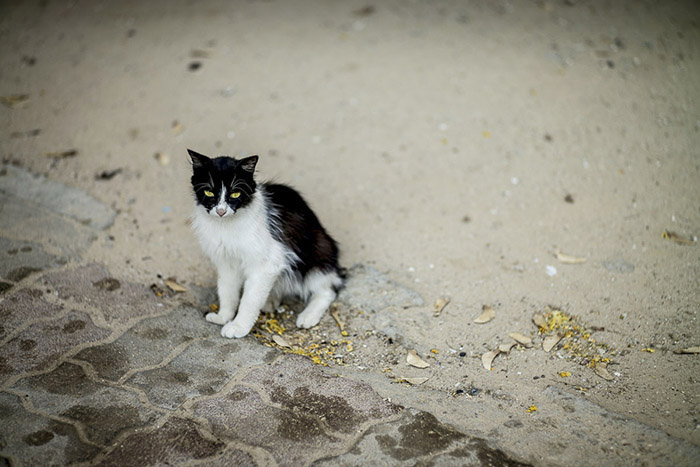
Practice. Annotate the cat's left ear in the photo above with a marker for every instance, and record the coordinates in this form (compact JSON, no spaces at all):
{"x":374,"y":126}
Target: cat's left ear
{"x":248,"y":164}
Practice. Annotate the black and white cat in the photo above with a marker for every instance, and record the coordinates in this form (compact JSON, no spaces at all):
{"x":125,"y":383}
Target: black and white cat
{"x":263,"y":239}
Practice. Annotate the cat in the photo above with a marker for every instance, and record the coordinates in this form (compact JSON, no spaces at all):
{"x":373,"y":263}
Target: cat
{"x":264,"y":239}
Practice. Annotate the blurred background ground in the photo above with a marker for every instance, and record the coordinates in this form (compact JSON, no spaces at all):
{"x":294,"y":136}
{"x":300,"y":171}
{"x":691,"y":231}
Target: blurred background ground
{"x":454,"y":146}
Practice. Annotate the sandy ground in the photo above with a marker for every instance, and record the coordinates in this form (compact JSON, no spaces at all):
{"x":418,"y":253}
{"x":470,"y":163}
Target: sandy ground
{"x":455,"y":146}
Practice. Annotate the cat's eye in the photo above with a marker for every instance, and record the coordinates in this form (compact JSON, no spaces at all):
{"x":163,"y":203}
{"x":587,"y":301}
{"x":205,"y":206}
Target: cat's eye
{"x":235,"y":194}
{"x":208,"y":194}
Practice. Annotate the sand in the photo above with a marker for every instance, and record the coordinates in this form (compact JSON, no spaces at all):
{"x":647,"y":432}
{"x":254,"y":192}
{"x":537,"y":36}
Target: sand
{"x":454,"y":146}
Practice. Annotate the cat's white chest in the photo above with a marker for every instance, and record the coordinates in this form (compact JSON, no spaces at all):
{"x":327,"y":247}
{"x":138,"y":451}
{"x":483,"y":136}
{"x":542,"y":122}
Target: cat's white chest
{"x":243,"y":239}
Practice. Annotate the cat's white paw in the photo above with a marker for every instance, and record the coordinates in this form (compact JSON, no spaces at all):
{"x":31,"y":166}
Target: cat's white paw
{"x":235,"y":330}
{"x":307,"y":320}
{"x":215,"y":318}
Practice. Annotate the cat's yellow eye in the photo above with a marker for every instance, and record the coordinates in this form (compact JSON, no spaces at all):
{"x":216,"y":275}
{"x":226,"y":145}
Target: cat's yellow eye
{"x":235,"y":194}
{"x":208,"y":194}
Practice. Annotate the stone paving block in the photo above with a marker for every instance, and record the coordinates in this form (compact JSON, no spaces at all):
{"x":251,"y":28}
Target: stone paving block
{"x":203,"y":368}
{"x":119,"y":301}
{"x":147,"y":343}
{"x":344,"y":405}
{"x":177,"y":441}
{"x":43,"y":343}
{"x":23,"y":306}
{"x":419,"y":438}
{"x":27,"y":221}
{"x":291,"y":437}
{"x":56,"y":197}
{"x":369,"y":290}
{"x":585,"y":419}
{"x":232,"y":457}
{"x":36,"y":440}
{"x":104,"y":411}
{"x":20,"y":258}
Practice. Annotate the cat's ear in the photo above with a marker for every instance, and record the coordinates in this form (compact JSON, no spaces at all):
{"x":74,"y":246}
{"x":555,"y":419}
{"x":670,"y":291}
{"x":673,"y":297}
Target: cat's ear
{"x":248,"y":164}
{"x":197,"y":159}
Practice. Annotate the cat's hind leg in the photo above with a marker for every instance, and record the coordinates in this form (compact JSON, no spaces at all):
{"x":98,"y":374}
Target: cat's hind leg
{"x":322,"y":288}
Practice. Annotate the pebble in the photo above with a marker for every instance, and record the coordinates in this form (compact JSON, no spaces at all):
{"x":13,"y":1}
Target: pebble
{"x":550,"y":270}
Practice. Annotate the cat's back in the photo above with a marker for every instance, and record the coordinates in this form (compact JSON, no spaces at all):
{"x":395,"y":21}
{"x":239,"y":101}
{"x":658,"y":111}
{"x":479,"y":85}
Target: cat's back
{"x":287,"y":201}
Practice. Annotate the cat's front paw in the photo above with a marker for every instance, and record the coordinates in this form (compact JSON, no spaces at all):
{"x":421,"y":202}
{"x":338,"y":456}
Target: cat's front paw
{"x":215,"y":318}
{"x":307,"y":320}
{"x":235,"y":330}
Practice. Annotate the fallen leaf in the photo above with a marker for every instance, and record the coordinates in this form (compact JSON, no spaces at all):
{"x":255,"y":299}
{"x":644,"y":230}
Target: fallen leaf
{"x":174,"y":286}
{"x":602,"y":371}
{"x":521,"y":339}
{"x":648,"y":350}
{"x":163,"y":159}
{"x":532,"y":408}
{"x":505,"y":348}
{"x":25,"y":134}
{"x":539,"y":319}
{"x":550,"y":342}
{"x":336,"y":316}
{"x":566,"y":259}
{"x":214,"y":307}
{"x":689,"y":350}
{"x":281,"y":341}
{"x":487,"y":314}
{"x":668,"y":235}
{"x":177,"y":127}
{"x":564,"y":374}
{"x":200,"y":53}
{"x":415,"y":380}
{"x":414,"y":360}
{"x":15,"y":100}
{"x":487,"y":358}
{"x":62,"y":154}
{"x":439,"y":305}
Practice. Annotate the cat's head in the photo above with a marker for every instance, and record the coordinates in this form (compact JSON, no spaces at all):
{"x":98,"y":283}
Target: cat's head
{"x":222,"y":185}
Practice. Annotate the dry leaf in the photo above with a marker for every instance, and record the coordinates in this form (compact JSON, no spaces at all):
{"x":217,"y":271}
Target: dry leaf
{"x":200,"y":53}
{"x":539,"y":319}
{"x":62,"y":154}
{"x":689,"y":350}
{"x":177,"y":127}
{"x":564,"y":374}
{"x":566,"y":259}
{"x":214,"y":307}
{"x":439,"y":305}
{"x":487,"y":314}
{"x":668,"y":235}
{"x":415,"y":380}
{"x":281,"y":341}
{"x":336,"y":316}
{"x":15,"y":100}
{"x":505,"y":348}
{"x":521,"y":339}
{"x":550,"y":342}
{"x":602,"y":371}
{"x":163,"y":159}
{"x":174,"y":286}
{"x":488,"y":357}
{"x":414,"y":360}
{"x":532,"y":408}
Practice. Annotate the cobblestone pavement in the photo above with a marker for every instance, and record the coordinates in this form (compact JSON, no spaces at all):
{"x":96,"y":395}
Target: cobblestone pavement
{"x":97,"y":369}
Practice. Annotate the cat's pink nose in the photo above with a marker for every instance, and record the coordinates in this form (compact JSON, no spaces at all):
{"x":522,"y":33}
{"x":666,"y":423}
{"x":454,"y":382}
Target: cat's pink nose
{"x":221,"y":212}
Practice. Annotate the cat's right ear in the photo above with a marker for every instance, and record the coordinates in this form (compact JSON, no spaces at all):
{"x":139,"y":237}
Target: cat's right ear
{"x":198,"y":160}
